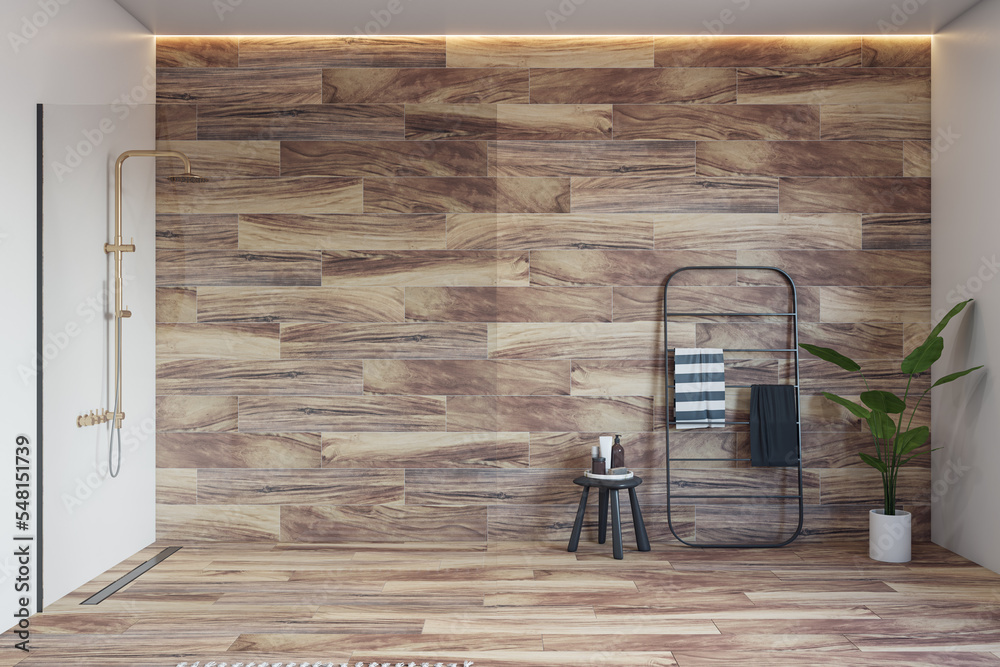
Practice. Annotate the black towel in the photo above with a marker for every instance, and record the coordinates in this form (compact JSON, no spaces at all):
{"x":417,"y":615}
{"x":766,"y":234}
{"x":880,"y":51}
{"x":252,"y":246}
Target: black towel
{"x":774,"y":433}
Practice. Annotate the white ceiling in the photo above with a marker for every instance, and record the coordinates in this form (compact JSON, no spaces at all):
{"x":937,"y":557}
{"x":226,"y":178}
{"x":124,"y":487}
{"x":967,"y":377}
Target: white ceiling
{"x":543,"y":17}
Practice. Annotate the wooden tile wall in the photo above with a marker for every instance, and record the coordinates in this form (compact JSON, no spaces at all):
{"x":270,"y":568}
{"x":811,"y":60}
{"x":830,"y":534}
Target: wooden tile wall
{"x":428,"y":271}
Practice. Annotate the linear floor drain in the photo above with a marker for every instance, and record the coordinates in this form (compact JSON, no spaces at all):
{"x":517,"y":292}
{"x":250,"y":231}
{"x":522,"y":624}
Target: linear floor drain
{"x":117,"y":585}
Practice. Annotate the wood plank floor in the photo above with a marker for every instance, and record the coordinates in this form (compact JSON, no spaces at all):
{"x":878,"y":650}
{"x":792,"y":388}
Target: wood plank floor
{"x":528,"y":604}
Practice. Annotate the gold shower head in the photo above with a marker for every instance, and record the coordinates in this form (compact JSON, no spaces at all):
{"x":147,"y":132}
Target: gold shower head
{"x":187,"y":177}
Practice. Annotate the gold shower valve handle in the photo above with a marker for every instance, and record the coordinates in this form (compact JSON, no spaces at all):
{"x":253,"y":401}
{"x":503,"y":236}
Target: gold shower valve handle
{"x":125,"y":313}
{"x":120,"y":247}
{"x":100,"y":417}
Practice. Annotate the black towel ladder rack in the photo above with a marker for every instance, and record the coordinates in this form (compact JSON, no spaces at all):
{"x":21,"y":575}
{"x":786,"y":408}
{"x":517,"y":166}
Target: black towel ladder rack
{"x":794,"y":350}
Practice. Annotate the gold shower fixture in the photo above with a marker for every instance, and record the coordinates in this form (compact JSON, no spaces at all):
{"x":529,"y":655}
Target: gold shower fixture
{"x":118,"y":247}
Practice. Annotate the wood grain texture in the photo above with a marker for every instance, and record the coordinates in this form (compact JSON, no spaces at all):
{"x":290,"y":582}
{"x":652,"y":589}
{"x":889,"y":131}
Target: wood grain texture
{"x":305,"y":523}
{"x":217,"y":523}
{"x":551,"y":413}
{"x":818,"y":376}
{"x":572,"y":450}
{"x":425,"y":450}
{"x":533,"y":195}
{"x":660,"y":194}
{"x":848,"y":486}
{"x":425,"y":85}
{"x":508,"y":304}
{"x":840,"y":450}
{"x":177,"y":232}
{"x":255,"y":195}
{"x":633,"y":86}
{"x":176,"y":486}
{"x":504,"y":51}
{"x":863,"y":85}
{"x":857,"y":341}
{"x":430,"y":377}
{"x":847,"y":267}
{"x":645,"y":303}
{"x":876,"y":121}
{"x":898,"y":231}
{"x":538,"y":236}
{"x":300,"y":304}
{"x":799,"y":158}
{"x":471,"y":231}
{"x":176,"y":304}
{"x":589,"y":158}
{"x":874,"y":304}
{"x":764,"y":231}
{"x":176,"y":122}
{"x":364,"y":51}
{"x":383,"y":158}
{"x":743,"y":484}
{"x":232,"y":85}
{"x":744,"y":335}
{"x":232,"y":341}
{"x":422,"y":231}
{"x":489,"y":487}
{"x":319,"y":122}
{"x":503,"y":602}
{"x":618,"y":378}
{"x":299,"y":487}
{"x":737,"y":51}
{"x":385,"y":341}
{"x":235,"y":267}
{"x":554,"y":122}
{"x":533,"y":378}
{"x":341,"y":413}
{"x":591,"y":340}
{"x":222,"y":159}
{"x":220,"y":377}
{"x":511,"y":524}
{"x":569,"y":231}
{"x":618,"y":267}
{"x":197,"y":51}
{"x":196,"y":413}
{"x":896,"y":51}
{"x":237,"y":450}
{"x":451,"y":121}
{"x":917,"y":158}
{"x":429,"y":268}
{"x":429,"y":195}
{"x":468,"y":377}
{"x":855,"y":195}
{"x":678,"y":122}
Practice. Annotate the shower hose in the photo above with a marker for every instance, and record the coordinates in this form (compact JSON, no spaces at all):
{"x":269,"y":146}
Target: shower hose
{"x":115,"y":464}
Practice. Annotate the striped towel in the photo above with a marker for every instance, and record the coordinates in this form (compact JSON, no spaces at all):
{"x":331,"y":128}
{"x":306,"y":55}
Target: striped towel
{"x":699,"y":388}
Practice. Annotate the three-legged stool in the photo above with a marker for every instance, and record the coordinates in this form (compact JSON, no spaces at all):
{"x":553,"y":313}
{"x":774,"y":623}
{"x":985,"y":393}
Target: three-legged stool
{"x":606,"y":486}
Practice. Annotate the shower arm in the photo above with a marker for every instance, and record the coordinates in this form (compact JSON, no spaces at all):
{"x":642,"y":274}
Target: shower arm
{"x":118,"y":247}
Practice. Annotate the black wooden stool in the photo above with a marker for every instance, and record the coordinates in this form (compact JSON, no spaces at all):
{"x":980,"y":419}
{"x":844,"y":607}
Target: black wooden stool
{"x":606,"y":486}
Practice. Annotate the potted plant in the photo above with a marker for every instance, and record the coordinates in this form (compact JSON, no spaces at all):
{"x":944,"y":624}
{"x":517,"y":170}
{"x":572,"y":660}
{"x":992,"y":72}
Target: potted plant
{"x":896,"y":442}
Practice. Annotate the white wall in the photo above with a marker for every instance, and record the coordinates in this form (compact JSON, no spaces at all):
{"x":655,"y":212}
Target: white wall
{"x":62,"y":51}
{"x":965,"y":255}
{"x":93,"y":521}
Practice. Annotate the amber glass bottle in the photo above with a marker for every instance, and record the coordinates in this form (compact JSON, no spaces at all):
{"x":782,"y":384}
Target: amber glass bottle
{"x":618,"y":453}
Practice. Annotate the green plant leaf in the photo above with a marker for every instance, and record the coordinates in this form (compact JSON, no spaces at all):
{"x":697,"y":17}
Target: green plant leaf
{"x":874,"y":462}
{"x":912,"y":440}
{"x":947,"y":318}
{"x":921,"y":359}
{"x":954,"y":376}
{"x":834,"y":357}
{"x":856,"y":410}
{"x":882,"y":425}
{"x":883,"y":401}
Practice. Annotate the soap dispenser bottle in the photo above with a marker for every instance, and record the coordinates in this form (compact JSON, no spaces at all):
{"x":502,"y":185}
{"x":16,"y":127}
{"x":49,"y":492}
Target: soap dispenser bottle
{"x":618,"y":453}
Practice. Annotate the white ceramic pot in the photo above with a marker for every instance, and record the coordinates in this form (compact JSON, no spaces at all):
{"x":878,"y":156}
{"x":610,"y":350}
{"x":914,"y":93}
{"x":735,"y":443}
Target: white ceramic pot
{"x":889,"y":536}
